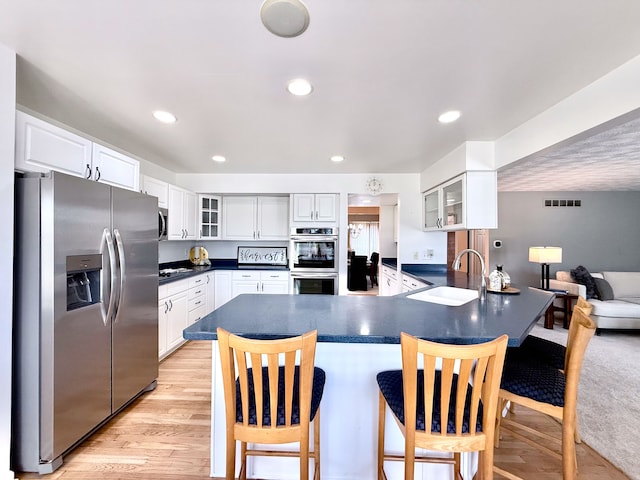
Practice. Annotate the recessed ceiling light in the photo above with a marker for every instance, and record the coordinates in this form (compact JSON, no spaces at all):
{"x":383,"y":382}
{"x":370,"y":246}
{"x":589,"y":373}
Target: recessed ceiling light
{"x":164,"y":117}
{"x":218,"y":158}
{"x":299,"y":87}
{"x":450,"y":116}
{"x":337,"y":158}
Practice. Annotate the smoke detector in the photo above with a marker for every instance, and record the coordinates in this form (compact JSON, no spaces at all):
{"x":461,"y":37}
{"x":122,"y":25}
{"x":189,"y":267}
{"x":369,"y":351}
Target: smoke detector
{"x":285,"y":18}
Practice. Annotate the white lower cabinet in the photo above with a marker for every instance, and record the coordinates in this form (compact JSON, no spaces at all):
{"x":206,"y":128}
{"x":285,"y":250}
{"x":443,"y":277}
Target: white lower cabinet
{"x":410,"y":284}
{"x":222,"y":287}
{"x":197,"y":295}
{"x":180,"y":304}
{"x":389,"y":282}
{"x":260,"y":281}
{"x":211,"y":291}
{"x":172,"y":315}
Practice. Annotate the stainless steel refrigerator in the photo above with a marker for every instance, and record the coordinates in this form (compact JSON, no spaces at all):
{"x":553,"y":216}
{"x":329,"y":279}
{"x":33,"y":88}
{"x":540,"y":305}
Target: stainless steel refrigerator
{"x":86,"y":311}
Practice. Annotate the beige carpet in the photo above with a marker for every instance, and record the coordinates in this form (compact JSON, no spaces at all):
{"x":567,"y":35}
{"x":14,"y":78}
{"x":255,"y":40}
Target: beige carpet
{"x":609,"y":395}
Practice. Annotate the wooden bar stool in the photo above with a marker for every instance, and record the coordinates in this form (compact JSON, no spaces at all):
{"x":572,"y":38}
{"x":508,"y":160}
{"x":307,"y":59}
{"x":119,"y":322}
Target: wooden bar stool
{"x":448,"y":405}
{"x":274,"y":403}
{"x":544,"y":351}
{"x":551,"y":391}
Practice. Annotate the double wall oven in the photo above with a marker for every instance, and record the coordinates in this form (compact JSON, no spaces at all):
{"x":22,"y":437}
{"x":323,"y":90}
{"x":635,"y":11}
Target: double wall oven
{"x":313,"y":260}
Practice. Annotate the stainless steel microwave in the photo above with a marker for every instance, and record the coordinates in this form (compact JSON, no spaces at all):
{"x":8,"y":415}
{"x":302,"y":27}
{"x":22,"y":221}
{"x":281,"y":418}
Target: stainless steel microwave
{"x":163,"y":223}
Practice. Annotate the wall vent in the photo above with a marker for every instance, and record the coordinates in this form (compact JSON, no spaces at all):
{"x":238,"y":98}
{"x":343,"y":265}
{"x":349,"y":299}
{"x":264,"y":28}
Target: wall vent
{"x":563,"y":203}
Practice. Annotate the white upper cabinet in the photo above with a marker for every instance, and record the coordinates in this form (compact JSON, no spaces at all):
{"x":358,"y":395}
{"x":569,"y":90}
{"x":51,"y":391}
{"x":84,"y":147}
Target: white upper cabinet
{"x":314,"y":207}
{"x":42,"y":147}
{"x":238,"y":218}
{"x":469,"y":201}
{"x":182,"y":214}
{"x":156,"y":188}
{"x":209,"y":212}
{"x":255,"y":218}
{"x":272,"y":220}
{"x":115,"y":168}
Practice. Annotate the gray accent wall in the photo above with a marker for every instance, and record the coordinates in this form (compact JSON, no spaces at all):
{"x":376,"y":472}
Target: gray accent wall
{"x":602,"y":235}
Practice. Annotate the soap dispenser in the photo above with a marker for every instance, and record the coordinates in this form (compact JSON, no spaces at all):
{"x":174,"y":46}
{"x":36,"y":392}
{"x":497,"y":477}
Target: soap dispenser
{"x":496,"y":279}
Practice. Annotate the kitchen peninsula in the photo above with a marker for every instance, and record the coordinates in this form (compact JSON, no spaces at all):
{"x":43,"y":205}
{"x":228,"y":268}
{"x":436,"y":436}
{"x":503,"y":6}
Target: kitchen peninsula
{"x":358,"y":336}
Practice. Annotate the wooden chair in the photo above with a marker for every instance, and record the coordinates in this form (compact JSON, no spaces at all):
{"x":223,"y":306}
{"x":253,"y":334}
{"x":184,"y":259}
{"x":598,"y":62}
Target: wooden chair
{"x":373,"y":269}
{"x":461,"y":397}
{"x":550,"y":391}
{"x":357,"y":274}
{"x":542,"y":350}
{"x":274,"y":404}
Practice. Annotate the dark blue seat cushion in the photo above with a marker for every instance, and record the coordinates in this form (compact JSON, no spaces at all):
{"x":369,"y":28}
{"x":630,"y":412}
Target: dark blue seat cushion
{"x":316,"y":395}
{"x":391,"y":386}
{"x":539,"y":350}
{"x":536,"y":381}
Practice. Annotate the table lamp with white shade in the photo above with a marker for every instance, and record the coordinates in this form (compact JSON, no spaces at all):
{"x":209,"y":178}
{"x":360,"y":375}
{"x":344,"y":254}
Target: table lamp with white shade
{"x":544,"y":256}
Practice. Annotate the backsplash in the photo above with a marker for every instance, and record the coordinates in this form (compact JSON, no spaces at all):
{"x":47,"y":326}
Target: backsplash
{"x":174,"y":251}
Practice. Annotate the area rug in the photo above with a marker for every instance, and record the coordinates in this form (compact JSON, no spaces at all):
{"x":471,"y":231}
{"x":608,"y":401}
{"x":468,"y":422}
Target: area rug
{"x":609,"y":395}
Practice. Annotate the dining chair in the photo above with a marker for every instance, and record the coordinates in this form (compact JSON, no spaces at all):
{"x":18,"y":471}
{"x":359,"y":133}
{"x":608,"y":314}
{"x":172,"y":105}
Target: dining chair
{"x":271,"y":399}
{"x":373,"y":268}
{"x":443,"y":399}
{"x":548,"y":390}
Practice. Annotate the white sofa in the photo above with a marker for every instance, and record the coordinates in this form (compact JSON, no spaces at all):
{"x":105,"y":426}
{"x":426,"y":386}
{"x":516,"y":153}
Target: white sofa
{"x":623,"y":311}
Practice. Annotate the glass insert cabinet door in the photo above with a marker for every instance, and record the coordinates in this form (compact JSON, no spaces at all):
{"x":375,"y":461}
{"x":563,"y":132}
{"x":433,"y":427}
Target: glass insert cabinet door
{"x":432,"y":210}
{"x":443,"y":207}
{"x":209,"y":216}
{"x":452,"y":198}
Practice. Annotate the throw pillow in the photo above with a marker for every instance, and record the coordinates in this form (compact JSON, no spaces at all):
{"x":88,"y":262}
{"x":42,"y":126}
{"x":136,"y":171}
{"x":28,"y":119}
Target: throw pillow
{"x":581,"y":275}
{"x":605,"y":292}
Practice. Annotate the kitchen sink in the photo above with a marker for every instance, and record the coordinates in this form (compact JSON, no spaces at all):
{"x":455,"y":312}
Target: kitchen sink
{"x":451,"y":296}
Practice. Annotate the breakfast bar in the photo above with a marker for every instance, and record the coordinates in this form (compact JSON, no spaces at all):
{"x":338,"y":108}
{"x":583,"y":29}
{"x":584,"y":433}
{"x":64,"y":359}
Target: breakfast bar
{"x":358,"y":336}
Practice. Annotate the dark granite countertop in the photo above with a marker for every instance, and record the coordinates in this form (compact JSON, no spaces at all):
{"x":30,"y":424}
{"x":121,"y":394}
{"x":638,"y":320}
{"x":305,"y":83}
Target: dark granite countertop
{"x":369,"y":319}
{"x":221,"y":264}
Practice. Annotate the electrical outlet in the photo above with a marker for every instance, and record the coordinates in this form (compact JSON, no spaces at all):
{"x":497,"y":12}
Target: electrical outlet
{"x":427,"y":254}
{"x":415,"y":255}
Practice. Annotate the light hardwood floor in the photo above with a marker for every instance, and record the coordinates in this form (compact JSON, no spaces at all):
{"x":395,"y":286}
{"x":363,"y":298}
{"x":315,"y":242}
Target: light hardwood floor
{"x":164,"y":435}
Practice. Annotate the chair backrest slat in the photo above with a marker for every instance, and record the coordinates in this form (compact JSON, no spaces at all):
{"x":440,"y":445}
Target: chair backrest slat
{"x":478,"y":368}
{"x":256,"y":354}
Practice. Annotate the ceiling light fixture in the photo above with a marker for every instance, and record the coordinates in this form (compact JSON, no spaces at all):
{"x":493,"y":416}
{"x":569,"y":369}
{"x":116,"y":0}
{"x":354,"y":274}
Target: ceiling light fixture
{"x":164,"y":117}
{"x":284,"y":18}
{"x":218,"y":159}
{"x":299,"y":87}
{"x":450,"y":116}
{"x":337,"y":158}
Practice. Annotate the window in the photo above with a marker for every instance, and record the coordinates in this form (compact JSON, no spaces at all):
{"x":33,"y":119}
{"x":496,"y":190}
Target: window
{"x":364,"y":238}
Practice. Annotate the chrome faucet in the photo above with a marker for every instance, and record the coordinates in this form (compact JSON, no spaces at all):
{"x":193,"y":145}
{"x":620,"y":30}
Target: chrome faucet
{"x":482,"y":291}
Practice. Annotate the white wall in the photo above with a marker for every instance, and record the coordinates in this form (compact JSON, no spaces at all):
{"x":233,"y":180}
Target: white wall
{"x":7,"y":136}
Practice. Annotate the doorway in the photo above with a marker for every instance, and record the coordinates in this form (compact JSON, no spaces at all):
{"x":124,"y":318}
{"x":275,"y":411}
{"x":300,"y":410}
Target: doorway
{"x":363,"y":249}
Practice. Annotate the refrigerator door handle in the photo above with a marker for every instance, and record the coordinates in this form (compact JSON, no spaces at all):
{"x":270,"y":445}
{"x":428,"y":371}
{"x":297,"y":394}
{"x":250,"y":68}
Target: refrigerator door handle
{"x":112,"y":263}
{"x":123,"y":270}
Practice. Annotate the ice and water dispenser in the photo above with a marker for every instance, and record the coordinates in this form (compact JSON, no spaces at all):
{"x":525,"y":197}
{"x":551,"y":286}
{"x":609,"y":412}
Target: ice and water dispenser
{"x":83,"y":280}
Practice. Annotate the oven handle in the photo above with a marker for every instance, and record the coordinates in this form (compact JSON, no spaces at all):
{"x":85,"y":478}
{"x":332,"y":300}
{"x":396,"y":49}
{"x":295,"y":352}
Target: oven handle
{"x":314,"y":238}
{"x":314,"y":275}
